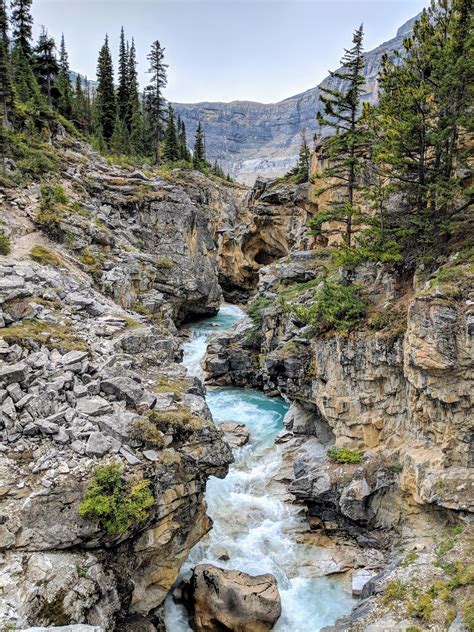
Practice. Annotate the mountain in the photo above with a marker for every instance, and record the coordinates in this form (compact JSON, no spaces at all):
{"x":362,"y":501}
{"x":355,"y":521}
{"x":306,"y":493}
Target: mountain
{"x":252,"y":139}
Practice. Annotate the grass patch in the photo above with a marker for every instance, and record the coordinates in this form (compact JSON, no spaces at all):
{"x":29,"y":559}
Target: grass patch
{"x":177,"y":386}
{"x":5,"y":244}
{"x":394,"y":591}
{"x":52,"y":335}
{"x":54,"y":205}
{"x":344,"y":455}
{"x":118,"y":504}
{"x":146,"y":431}
{"x":409,"y":559}
{"x":92,"y":260}
{"x":46,"y":257}
{"x":165,"y":264}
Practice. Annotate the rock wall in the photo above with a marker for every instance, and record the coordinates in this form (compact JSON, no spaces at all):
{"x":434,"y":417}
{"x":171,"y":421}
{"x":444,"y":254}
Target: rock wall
{"x":402,"y":395}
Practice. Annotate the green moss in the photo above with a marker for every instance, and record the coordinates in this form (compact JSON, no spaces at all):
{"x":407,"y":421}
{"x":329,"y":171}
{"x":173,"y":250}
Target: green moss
{"x":164,"y":263}
{"x":118,"y":504}
{"x":45,"y":256}
{"x":179,"y":422}
{"x":166,"y":385}
{"x":388,"y":320}
{"x":5,"y":244}
{"x":344,"y":455}
{"x":51,"y":335}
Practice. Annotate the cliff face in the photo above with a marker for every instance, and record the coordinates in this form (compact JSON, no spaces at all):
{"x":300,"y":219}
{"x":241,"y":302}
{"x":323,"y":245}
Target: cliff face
{"x":104,"y":262}
{"x":254,"y":139}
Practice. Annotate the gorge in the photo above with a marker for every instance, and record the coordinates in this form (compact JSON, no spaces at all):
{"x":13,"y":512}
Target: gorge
{"x":232,"y":408}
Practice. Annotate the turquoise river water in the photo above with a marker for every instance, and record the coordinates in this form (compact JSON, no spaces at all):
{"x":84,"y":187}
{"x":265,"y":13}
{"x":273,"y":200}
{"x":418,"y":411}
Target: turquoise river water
{"x":251,"y":519}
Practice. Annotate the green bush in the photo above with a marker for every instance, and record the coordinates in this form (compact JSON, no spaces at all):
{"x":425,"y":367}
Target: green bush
{"x":394,"y":591}
{"x":5,"y":244}
{"x":145,"y":431}
{"x":336,"y":306}
{"x":254,"y":310}
{"x":344,"y":455}
{"x":115,"y":502}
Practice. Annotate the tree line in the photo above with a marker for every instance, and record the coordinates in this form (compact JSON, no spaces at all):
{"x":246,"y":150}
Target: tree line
{"x":114,"y":115}
{"x":397,"y":171}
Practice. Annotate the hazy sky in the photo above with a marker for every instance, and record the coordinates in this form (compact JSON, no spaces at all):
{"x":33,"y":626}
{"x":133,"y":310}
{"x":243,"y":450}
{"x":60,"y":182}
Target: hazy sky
{"x":221,"y":50}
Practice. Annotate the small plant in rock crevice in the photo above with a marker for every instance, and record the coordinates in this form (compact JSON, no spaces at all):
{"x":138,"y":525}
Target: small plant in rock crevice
{"x":117,"y":503}
{"x":344,"y":455}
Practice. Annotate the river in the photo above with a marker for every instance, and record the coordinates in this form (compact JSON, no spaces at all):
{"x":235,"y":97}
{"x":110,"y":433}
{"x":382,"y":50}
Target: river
{"x":252,"y":521}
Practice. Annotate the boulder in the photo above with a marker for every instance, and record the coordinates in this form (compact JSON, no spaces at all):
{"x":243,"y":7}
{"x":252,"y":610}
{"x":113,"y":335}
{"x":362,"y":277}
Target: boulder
{"x":123,"y":388}
{"x":232,"y":600}
{"x":236,"y":435}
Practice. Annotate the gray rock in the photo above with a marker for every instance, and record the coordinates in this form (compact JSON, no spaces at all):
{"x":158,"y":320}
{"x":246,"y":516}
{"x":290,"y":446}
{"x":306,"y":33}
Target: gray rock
{"x":123,"y":388}
{"x":93,"y":406}
{"x":13,"y":373}
{"x":98,"y":444}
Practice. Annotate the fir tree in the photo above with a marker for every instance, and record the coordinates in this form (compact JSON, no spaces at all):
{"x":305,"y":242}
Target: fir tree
{"x":184,"y":152}
{"x":22,"y":21}
{"x":304,"y":159}
{"x":419,"y":157}
{"x":120,"y":141}
{"x":105,"y":97}
{"x":344,"y":149}
{"x":199,"y":154}
{"x":45,"y":64}
{"x":63,"y":84}
{"x":123,"y":90}
{"x":6,"y":95}
{"x":171,"y":151}
{"x":155,"y":103}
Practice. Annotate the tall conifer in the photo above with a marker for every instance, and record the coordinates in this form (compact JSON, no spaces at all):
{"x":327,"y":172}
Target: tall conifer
{"x":123,"y":90}
{"x":155,"y":102}
{"x":199,"y":154}
{"x":105,"y":97}
{"x":63,"y":84}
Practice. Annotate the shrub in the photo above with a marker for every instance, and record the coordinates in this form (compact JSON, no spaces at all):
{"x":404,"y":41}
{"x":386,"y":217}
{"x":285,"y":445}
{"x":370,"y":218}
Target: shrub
{"x":344,"y":455}
{"x":115,"y":502}
{"x":5,"y":244}
{"x":165,"y":264}
{"x":336,"y":306}
{"x":254,"y":310}
{"x":422,"y":607}
{"x":45,"y":256}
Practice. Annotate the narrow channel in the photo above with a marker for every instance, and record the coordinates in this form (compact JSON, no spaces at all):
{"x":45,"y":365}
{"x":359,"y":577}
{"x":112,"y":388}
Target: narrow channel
{"x":254,"y":525}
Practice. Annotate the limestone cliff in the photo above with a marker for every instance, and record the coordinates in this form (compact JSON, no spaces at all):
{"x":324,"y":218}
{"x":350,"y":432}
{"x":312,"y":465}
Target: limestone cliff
{"x":93,"y":403}
{"x":254,"y":139}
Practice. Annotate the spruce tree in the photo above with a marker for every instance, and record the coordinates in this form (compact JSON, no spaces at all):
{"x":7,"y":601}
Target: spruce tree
{"x":171,"y":150}
{"x":46,"y":65}
{"x":184,"y":152}
{"x":6,"y":95}
{"x":425,"y":95}
{"x":199,"y":154}
{"x":155,"y":102}
{"x":123,"y":90}
{"x":120,"y":142}
{"x":345,"y":148}
{"x":22,"y":21}
{"x":105,"y":96}
{"x":63,"y":84}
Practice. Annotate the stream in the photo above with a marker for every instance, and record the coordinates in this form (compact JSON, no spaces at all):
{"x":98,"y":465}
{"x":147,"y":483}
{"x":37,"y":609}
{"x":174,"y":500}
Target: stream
{"x":252,"y":521}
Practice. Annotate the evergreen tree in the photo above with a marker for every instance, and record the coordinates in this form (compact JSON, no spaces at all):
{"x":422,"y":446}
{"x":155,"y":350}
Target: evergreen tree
{"x":171,"y":149}
{"x":105,"y":101}
{"x":22,"y":21}
{"x":304,"y":159}
{"x":199,"y":154}
{"x":63,"y":84}
{"x":184,"y":152}
{"x":133,"y":119}
{"x":123,"y":90}
{"x":46,"y":65}
{"x":155,"y":102}
{"x":120,"y":141}
{"x":344,"y":149}
{"x":6,"y":95}
{"x":419,"y":157}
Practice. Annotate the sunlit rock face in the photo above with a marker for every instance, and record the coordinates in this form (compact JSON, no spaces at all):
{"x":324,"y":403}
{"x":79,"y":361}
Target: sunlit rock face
{"x":252,"y":139}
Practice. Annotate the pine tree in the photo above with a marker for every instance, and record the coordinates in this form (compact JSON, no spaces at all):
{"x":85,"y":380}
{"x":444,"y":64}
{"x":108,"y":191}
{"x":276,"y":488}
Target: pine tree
{"x":105,"y":97}
{"x":155,"y":103}
{"x":6,"y":94}
{"x":171,"y":151}
{"x":46,"y":65}
{"x":120,"y":141}
{"x":344,"y":149}
{"x":63,"y":84}
{"x":418,"y":154}
{"x":184,"y":152}
{"x":123,"y":90}
{"x":199,"y":154}
{"x":22,"y":21}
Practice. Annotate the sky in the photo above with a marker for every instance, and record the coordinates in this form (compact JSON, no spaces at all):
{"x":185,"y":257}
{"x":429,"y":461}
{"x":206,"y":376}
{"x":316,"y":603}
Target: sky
{"x":225,"y":50}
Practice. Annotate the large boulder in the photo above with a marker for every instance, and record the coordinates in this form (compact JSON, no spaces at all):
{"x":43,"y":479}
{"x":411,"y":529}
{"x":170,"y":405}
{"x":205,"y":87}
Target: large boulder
{"x":232,"y":600}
